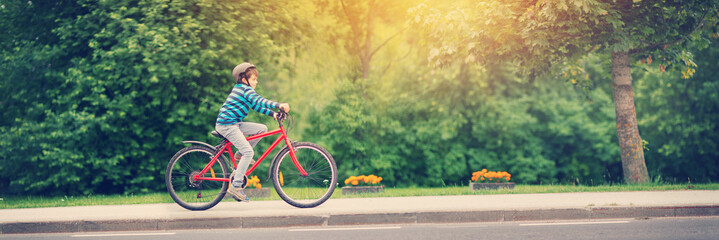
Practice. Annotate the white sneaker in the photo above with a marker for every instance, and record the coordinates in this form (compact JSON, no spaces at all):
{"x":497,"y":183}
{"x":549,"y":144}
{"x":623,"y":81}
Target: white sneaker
{"x":238,"y":193}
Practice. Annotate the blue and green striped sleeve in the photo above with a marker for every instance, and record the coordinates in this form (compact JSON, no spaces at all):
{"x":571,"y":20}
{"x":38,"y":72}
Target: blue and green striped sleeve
{"x":260,"y":104}
{"x":240,"y":101}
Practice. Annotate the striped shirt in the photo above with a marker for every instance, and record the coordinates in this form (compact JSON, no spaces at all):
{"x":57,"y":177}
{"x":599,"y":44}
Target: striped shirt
{"x":241,"y":100}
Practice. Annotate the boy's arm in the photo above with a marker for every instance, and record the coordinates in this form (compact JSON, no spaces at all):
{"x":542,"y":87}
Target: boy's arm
{"x":260,"y":104}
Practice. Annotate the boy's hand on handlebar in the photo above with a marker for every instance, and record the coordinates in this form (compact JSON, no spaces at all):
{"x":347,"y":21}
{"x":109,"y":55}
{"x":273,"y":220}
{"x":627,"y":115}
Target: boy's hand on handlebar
{"x":285,"y":107}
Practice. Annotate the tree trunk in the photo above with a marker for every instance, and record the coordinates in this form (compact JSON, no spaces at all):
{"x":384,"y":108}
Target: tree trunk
{"x":366,"y":55}
{"x":630,"y":143}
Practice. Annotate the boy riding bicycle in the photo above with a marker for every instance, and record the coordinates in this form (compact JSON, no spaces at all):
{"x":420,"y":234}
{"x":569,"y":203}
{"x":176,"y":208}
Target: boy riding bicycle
{"x":229,"y":122}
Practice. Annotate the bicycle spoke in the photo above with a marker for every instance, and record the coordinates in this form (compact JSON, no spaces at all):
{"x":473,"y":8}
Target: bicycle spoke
{"x":306,"y":190}
{"x":185,"y":189}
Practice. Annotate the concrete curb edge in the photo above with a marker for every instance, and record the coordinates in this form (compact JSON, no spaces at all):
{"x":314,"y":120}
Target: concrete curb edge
{"x":591,"y":213}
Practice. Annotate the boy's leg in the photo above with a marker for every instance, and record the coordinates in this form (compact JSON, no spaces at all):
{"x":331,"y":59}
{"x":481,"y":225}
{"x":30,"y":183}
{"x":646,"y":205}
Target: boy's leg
{"x":250,"y":128}
{"x":237,"y":138}
{"x":236,"y":134}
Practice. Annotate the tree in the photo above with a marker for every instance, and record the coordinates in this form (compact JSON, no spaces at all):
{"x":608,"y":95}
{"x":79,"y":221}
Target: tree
{"x":360,"y":24}
{"x":537,"y":34}
{"x":114,"y":86}
{"x":679,"y":119}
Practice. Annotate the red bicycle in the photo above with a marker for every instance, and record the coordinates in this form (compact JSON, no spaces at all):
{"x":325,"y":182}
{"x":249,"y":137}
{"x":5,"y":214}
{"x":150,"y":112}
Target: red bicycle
{"x":303,"y":174}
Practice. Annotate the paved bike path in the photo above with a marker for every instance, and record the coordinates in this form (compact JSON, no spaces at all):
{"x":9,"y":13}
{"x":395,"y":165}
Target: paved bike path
{"x":397,"y":210}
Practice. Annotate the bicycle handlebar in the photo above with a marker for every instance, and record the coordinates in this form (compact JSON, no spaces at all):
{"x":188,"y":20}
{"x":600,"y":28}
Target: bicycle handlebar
{"x":281,"y":116}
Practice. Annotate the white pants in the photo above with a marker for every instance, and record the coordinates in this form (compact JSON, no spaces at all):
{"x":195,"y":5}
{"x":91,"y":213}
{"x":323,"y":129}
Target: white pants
{"x":236,"y":133}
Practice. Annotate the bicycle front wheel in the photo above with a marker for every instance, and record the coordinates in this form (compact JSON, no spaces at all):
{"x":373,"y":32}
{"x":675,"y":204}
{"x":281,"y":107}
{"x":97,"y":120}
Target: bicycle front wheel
{"x":196,"y":194}
{"x":310,"y":190}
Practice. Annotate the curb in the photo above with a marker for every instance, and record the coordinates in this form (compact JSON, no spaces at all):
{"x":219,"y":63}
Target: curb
{"x":360,"y":219}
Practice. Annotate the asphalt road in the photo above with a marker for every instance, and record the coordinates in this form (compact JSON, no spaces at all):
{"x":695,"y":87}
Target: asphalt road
{"x":661,"y":228}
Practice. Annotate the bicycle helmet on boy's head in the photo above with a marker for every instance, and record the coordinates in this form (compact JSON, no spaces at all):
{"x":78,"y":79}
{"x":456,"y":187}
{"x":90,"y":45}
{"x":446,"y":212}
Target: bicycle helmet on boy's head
{"x":240,"y":69}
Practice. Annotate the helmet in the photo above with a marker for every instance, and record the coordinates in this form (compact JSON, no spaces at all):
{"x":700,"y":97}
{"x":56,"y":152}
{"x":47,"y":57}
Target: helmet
{"x":240,"y":69}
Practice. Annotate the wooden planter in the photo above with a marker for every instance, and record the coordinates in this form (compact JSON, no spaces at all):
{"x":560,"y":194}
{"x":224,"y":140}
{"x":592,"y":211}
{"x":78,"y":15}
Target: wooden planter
{"x":362,"y":189}
{"x":257,"y":192}
{"x":480,"y":186}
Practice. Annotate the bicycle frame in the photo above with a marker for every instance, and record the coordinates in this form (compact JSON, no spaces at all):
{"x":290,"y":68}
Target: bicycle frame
{"x":228,"y":148}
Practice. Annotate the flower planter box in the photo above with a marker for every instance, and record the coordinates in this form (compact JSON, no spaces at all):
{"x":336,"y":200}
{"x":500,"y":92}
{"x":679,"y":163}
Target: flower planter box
{"x":362,"y":189}
{"x":480,"y":186}
{"x":257,"y":192}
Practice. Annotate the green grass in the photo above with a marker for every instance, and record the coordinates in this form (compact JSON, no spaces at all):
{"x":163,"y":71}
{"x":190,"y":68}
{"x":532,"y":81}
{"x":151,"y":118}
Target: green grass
{"x":7,"y":202}
{"x":528,"y":189}
{"x":69,"y":201}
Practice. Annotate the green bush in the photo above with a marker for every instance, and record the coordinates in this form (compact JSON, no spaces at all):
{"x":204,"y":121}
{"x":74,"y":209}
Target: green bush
{"x":462,"y":120}
{"x":116,"y":85}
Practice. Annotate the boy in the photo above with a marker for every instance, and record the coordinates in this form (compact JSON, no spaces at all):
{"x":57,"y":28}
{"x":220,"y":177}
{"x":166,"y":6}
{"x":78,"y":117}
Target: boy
{"x":229,"y":122}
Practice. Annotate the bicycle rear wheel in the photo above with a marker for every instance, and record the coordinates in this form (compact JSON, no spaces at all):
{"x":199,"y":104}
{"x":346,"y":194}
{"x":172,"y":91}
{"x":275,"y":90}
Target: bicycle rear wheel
{"x":304,"y":191}
{"x":195,"y":194}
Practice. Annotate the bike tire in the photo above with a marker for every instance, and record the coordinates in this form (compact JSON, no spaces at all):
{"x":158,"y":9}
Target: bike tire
{"x":304,"y":191}
{"x":195,"y":195}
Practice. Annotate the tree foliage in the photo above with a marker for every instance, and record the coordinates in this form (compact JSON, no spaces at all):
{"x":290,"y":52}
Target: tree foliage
{"x":439,"y":128}
{"x":538,"y":34}
{"x":360,"y":27}
{"x":116,"y":85}
{"x":97,"y":95}
{"x":678,"y":115}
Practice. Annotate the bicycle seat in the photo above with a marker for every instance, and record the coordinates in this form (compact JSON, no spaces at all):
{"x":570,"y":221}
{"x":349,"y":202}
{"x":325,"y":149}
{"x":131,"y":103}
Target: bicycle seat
{"x":216,"y":134}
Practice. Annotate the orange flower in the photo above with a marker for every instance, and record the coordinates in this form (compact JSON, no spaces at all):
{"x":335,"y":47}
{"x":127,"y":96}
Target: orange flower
{"x":254,"y":181}
{"x":490,"y":175}
{"x":356,"y":180}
